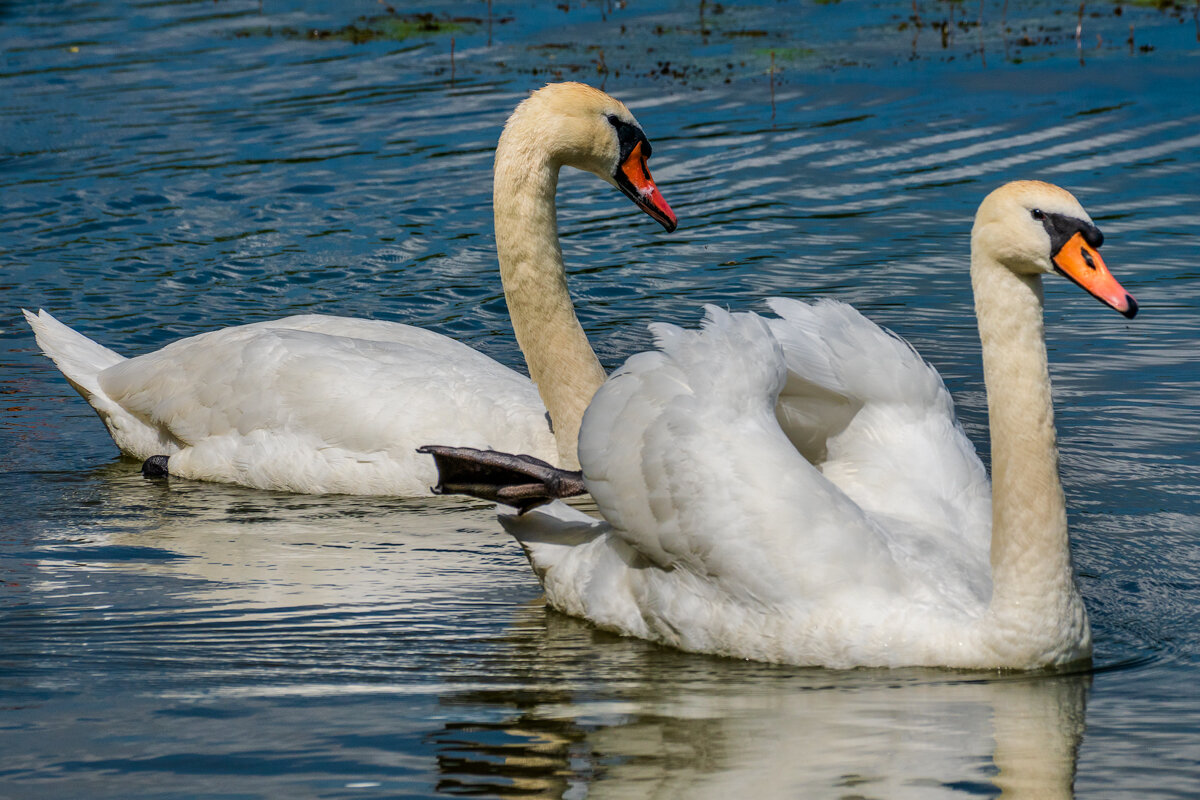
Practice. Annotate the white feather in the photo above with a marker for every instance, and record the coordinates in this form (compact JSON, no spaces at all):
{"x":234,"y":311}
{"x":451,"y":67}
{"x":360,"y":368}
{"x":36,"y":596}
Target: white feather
{"x":312,"y":404}
{"x":328,"y":404}
{"x":797,"y":489}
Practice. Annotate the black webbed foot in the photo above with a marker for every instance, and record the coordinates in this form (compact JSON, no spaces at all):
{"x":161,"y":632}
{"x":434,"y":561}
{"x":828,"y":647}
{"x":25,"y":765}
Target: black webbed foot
{"x":155,"y":467}
{"x":523,"y":482}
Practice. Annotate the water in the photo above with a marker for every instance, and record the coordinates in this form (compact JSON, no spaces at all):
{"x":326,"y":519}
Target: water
{"x":171,"y":167}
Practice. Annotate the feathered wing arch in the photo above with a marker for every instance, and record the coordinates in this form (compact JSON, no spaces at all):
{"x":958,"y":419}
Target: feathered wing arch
{"x":797,"y":489}
{"x":892,"y":443}
{"x":719,"y":535}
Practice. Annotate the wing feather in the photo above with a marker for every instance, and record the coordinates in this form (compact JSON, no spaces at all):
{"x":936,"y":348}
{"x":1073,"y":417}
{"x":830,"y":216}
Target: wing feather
{"x":306,"y":396}
{"x":684,"y":457}
{"x":885,"y":428}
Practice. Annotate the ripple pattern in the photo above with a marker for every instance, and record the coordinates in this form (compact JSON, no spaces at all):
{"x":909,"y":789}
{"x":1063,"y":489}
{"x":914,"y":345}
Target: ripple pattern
{"x":170,"y":167}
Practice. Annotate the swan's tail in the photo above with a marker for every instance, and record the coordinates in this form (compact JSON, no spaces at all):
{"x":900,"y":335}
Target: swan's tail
{"x":78,"y":358}
{"x":81,"y":361}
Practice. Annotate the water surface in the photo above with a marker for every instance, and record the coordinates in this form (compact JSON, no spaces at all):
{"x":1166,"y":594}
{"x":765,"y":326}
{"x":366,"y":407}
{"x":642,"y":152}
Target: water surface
{"x":171,"y":167}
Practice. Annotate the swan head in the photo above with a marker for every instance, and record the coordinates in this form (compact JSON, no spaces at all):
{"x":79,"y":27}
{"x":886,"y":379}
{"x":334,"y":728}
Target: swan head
{"x":1033,"y":228}
{"x":582,"y":127}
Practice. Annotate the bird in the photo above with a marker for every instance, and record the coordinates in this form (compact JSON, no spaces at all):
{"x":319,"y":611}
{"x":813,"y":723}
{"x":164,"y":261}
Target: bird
{"x":797,"y":488}
{"x":324,"y":404}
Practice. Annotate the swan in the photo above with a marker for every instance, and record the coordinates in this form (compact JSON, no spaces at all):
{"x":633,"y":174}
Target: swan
{"x":321,"y":404}
{"x":797,"y":489}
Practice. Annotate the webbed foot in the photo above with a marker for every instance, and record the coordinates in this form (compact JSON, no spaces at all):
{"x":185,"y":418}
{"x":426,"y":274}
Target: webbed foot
{"x":523,"y":482}
{"x":155,"y":467}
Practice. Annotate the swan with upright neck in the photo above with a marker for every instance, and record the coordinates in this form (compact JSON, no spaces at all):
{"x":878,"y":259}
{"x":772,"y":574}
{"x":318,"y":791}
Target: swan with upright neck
{"x":320,"y":404}
{"x":798,"y":489}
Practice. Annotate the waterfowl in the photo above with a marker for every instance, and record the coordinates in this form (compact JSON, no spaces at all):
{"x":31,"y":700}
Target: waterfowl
{"x":797,"y":489}
{"x":320,"y":404}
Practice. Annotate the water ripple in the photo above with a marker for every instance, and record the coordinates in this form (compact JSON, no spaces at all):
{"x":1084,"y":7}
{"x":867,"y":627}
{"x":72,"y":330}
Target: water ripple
{"x":171,"y":167}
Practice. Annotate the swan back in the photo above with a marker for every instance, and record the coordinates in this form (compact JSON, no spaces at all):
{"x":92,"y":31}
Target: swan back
{"x":878,"y":422}
{"x":683,"y":453}
{"x":726,"y":539}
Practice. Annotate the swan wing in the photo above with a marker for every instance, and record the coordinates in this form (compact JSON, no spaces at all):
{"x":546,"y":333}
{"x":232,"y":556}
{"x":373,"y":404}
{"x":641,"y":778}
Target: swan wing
{"x":685,"y":459}
{"x":326,"y":404}
{"x":877,"y":420}
{"x":723,"y":537}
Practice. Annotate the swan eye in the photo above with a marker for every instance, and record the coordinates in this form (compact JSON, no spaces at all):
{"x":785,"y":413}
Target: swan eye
{"x":628,"y":136}
{"x":1038,"y":214}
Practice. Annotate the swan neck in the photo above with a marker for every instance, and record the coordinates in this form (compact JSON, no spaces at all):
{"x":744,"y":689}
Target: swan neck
{"x":557,"y":352}
{"x":1032,"y":575}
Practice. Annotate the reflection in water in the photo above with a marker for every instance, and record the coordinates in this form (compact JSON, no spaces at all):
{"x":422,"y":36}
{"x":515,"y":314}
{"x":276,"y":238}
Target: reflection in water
{"x":651,"y":723}
{"x":340,"y":600}
{"x":259,"y":548}
{"x":279,"y":595}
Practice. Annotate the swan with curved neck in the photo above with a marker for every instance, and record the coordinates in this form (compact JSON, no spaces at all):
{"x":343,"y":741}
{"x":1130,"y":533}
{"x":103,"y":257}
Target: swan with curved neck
{"x":320,"y":404}
{"x":560,"y":359}
{"x":797,"y":489}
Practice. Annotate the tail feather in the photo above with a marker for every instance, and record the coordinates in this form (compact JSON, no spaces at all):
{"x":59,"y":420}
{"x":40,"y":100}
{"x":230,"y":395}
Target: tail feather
{"x":81,"y":362}
{"x":79,"y":358}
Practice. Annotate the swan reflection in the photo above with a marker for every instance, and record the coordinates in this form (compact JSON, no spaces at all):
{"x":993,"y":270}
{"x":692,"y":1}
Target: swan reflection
{"x":254,"y":548}
{"x":426,"y":606}
{"x":637,"y":721}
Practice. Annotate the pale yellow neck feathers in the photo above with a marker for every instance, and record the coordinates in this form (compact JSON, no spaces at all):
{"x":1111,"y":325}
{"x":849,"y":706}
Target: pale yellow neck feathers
{"x":1030,"y":554}
{"x":560,"y":359}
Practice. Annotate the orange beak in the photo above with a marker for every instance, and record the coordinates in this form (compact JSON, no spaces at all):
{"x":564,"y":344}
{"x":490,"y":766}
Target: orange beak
{"x":634,"y":180}
{"x":1080,"y":262}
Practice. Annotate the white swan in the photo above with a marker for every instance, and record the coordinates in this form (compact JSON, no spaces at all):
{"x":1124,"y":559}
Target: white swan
{"x":798,"y":489}
{"x":321,"y":404}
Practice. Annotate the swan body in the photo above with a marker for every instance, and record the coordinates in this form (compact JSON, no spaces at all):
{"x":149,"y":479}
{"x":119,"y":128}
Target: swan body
{"x":797,"y":489}
{"x":320,"y":404}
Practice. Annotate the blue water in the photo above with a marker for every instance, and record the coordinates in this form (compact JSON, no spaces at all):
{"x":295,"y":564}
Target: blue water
{"x":171,"y":167}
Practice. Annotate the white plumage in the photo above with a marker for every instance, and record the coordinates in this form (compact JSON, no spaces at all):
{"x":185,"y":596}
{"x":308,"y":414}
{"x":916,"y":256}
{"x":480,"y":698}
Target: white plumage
{"x":307,"y":403}
{"x":329,"y":404}
{"x":721,"y":537}
{"x":797,"y":489}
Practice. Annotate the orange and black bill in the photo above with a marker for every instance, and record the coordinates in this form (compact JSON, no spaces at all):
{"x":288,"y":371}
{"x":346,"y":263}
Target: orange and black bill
{"x":1082,"y":263}
{"x":634,"y":180}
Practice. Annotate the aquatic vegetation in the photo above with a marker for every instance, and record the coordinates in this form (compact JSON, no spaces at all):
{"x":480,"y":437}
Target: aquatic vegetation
{"x":385,"y":27}
{"x":707,"y":43}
